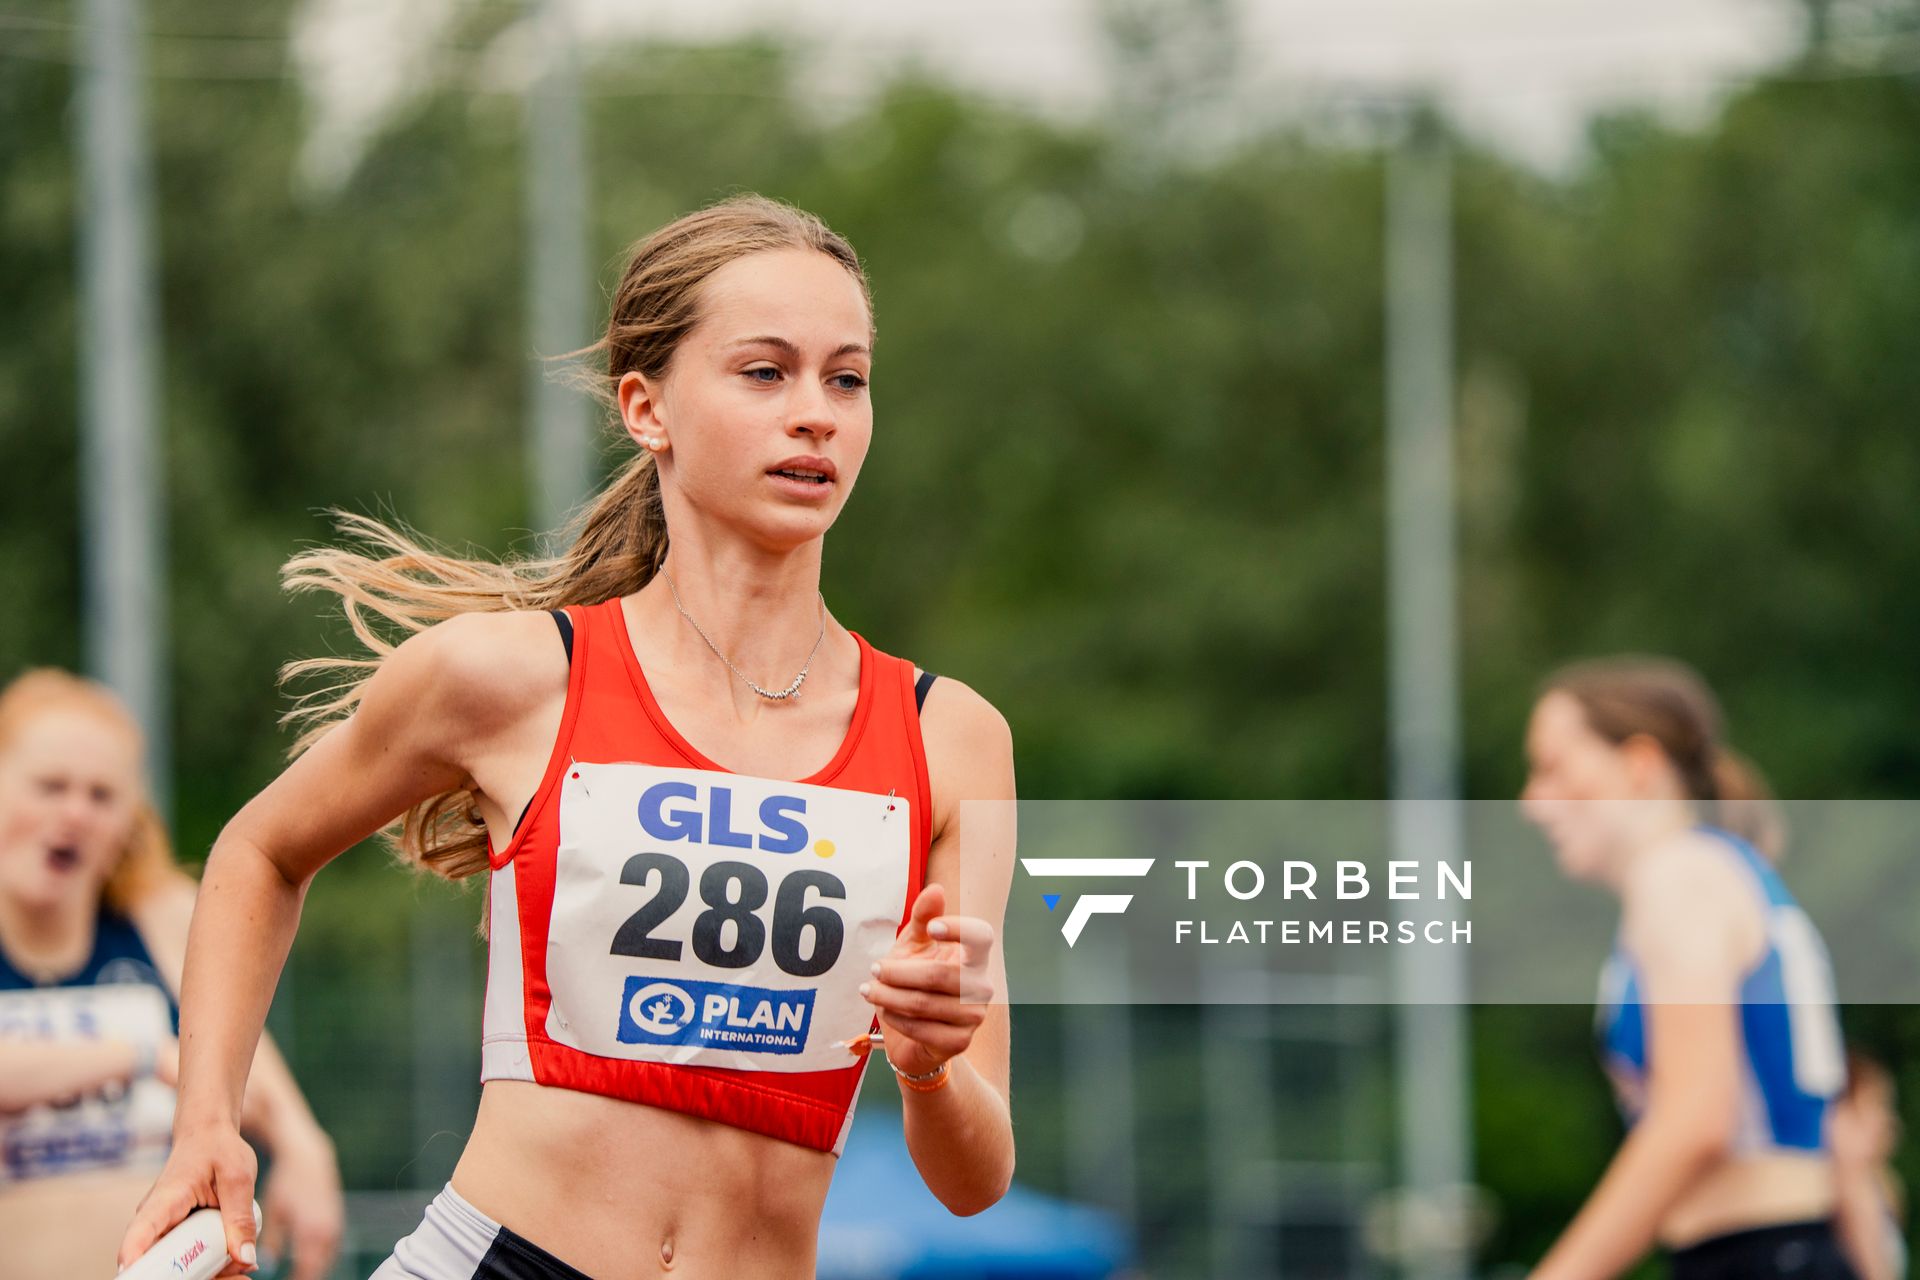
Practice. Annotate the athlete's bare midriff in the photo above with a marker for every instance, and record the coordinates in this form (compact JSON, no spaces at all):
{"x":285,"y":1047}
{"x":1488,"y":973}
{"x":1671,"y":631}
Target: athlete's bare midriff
{"x":621,"y":1190}
{"x":1752,"y":1191}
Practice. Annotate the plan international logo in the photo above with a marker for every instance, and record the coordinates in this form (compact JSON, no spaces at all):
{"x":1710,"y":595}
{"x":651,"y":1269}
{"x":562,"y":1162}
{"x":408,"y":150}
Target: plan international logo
{"x":1091,"y":904}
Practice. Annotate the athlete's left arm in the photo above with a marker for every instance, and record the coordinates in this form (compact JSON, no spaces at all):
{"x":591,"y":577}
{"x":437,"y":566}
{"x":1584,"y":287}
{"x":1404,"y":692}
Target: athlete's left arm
{"x":1692,"y":929}
{"x":303,"y":1205}
{"x":941,"y":991}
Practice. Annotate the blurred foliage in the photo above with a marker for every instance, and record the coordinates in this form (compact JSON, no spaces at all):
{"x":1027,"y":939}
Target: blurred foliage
{"x":1128,"y":438}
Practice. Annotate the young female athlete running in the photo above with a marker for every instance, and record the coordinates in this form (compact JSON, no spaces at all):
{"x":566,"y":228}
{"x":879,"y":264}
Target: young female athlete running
{"x":93,"y":926}
{"x":1717,"y":1021}
{"x":702,"y":887}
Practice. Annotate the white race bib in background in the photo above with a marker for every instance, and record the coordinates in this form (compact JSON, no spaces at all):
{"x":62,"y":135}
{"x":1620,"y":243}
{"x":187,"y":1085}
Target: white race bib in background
{"x":120,"y":1125}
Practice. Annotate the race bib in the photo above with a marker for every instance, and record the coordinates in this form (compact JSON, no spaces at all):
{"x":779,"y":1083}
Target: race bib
{"x":120,"y":1125}
{"x":717,"y":919}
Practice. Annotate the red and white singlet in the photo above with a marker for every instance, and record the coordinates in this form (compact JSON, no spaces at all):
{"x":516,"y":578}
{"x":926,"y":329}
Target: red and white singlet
{"x":669,"y":932}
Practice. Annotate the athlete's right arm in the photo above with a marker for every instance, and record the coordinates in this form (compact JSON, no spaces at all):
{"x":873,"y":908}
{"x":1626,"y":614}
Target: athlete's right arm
{"x":37,"y":1071}
{"x":433,"y":702}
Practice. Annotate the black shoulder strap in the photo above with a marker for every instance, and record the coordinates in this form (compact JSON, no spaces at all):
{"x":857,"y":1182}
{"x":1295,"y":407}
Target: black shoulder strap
{"x":565,"y":623}
{"x":920,"y":688}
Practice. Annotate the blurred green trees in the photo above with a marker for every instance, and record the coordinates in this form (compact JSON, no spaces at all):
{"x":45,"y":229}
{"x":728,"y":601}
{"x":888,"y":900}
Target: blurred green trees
{"x":1127,"y":472}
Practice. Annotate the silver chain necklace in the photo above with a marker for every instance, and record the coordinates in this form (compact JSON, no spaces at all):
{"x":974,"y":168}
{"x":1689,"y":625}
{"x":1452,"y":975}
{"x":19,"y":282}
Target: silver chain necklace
{"x":798,"y":680}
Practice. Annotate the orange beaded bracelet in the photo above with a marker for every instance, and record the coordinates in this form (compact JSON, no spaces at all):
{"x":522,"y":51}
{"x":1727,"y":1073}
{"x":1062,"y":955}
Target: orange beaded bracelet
{"x":925,"y":1082}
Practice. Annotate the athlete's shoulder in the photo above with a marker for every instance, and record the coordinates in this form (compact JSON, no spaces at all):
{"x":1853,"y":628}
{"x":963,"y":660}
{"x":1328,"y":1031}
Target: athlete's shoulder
{"x":469,"y":640}
{"x":482,"y":667}
{"x":165,"y":910}
{"x":955,"y":710}
{"x":1687,"y":907}
{"x":969,"y":748}
{"x":161,"y":919}
{"x":1681,"y":872}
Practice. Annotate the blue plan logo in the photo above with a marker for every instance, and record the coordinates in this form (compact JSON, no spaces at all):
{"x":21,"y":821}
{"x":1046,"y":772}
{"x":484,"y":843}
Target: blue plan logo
{"x":717,"y":1015}
{"x":659,"y":1009}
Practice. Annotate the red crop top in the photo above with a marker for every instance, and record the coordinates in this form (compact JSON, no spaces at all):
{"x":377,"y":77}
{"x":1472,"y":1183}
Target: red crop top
{"x":669,"y":932}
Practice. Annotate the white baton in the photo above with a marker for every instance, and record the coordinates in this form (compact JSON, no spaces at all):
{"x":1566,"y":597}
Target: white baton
{"x":194,"y":1250}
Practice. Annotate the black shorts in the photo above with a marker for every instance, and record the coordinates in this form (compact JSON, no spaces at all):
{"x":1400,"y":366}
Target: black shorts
{"x":456,"y":1241}
{"x":1790,"y":1251}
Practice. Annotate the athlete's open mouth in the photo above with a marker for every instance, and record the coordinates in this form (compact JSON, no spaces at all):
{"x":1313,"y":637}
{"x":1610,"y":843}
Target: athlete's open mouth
{"x":811,"y":477}
{"x":63,"y":857}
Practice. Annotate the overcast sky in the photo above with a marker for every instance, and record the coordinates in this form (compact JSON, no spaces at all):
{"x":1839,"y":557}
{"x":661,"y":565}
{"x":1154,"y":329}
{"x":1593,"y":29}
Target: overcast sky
{"x":1523,"y":73}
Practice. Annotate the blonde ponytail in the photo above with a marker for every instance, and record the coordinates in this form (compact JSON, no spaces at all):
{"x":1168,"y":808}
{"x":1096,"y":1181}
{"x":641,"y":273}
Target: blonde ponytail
{"x":397,"y":584}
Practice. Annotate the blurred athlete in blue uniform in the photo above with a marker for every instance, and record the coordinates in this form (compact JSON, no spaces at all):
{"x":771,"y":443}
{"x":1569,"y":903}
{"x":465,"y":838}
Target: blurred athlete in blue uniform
{"x":93,"y":928}
{"x":1716,"y":1018}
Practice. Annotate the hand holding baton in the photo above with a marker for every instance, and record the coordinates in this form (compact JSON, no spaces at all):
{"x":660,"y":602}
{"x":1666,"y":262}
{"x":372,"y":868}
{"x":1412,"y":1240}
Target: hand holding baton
{"x":194,"y":1250}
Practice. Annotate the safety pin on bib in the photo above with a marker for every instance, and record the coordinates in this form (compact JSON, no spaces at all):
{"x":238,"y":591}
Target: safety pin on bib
{"x":861,"y":1046}
{"x":890,"y":794}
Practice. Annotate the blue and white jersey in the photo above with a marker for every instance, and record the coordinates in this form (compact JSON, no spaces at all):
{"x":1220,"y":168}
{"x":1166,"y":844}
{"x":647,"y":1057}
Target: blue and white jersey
{"x":1793,"y":1064}
{"x":118,"y":995}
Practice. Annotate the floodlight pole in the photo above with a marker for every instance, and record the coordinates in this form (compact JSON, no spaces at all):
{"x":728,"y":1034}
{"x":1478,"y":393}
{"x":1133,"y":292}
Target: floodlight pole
{"x":1435,"y":1135}
{"x":559,"y":441}
{"x":122,"y":463}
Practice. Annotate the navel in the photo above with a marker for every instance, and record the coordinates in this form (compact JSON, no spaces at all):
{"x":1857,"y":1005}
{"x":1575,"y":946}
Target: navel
{"x":666,"y":1254}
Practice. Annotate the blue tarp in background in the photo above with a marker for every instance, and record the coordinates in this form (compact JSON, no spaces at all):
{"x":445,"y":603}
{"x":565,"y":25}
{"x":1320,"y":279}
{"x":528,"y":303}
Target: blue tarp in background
{"x":881,"y":1223}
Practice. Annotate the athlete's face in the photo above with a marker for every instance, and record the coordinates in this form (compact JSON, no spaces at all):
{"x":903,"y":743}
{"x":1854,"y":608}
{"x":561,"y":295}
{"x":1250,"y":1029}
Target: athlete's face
{"x":69,"y":794}
{"x":776,"y":368}
{"x":1580,"y":787}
